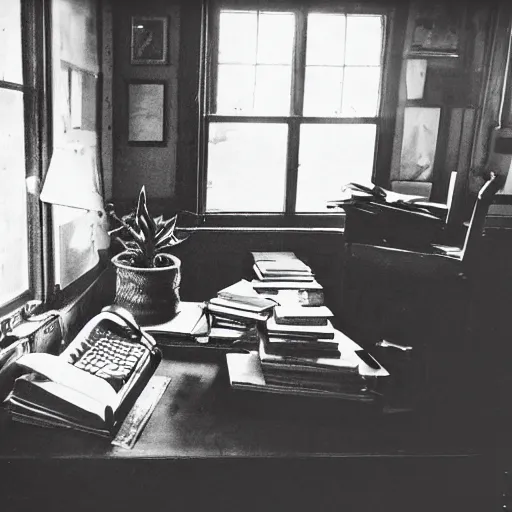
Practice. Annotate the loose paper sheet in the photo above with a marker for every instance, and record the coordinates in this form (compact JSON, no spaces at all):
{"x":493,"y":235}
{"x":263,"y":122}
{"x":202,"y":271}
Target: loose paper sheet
{"x":415,"y":78}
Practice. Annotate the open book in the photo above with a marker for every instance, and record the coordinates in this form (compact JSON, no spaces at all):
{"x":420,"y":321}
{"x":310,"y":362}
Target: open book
{"x":93,"y":384}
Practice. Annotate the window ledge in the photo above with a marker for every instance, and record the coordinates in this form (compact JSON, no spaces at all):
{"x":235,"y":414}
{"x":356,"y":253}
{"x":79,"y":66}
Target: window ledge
{"x":268,"y":229}
{"x":322,"y":222}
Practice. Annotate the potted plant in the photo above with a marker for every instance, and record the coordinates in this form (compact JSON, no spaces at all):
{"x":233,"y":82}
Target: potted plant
{"x":148,"y":276}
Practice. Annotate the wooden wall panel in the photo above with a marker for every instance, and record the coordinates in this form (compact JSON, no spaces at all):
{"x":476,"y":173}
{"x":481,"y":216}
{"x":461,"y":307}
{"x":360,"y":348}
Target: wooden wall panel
{"x":134,"y":166}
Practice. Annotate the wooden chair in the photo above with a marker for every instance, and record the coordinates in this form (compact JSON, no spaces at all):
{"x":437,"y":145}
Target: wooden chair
{"x":414,"y":226}
{"x":440,"y":260}
{"x":416,"y":298}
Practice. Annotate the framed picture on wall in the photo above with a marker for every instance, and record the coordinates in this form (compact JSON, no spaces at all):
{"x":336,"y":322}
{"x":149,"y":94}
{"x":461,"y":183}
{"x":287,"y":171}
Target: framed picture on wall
{"x":436,"y":30}
{"x":150,"y":41}
{"x":146,"y":113}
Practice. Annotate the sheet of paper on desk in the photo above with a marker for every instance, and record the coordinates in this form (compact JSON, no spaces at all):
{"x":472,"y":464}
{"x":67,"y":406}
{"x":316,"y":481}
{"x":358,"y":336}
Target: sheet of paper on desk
{"x":245,"y":369}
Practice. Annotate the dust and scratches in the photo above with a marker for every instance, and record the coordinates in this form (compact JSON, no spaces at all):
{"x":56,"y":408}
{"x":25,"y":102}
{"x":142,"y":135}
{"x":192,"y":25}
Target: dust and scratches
{"x":189,"y":386}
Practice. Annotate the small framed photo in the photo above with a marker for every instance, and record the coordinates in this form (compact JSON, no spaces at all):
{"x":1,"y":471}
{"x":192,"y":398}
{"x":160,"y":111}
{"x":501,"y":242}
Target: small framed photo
{"x":436,"y":29}
{"x":150,"y":40}
{"x":146,"y":113}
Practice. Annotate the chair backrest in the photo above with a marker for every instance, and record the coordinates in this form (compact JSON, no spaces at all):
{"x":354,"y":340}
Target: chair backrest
{"x":451,"y":190}
{"x":477,"y":222}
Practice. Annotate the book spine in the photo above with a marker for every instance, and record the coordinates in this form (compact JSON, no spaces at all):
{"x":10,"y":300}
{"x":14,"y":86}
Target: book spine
{"x":298,"y":350}
{"x":236,"y":314}
{"x":274,"y":333}
{"x":296,"y":320}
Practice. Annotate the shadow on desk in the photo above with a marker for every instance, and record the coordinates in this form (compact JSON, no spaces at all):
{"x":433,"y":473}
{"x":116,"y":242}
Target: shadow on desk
{"x":209,"y":447}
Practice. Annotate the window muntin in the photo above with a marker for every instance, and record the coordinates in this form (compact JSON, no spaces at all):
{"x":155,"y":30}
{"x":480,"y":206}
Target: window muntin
{"x":14,"y":245}
{"x":264,"y":67}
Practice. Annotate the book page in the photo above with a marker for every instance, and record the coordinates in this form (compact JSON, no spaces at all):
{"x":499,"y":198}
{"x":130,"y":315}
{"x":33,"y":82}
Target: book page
{"x":57,"y":370}
{"x":74,"y":397}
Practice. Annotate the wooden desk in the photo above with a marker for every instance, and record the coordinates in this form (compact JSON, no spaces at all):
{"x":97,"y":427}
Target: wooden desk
{"x":209,"y":446}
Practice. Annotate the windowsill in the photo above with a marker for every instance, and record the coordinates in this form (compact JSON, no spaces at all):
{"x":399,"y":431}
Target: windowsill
{"x":321,"y":222}
{"x":10,"y":308}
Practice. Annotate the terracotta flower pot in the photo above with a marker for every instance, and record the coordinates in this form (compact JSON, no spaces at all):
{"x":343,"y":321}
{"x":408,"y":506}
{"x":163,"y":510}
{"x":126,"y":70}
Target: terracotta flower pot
{"x":150,"y":294}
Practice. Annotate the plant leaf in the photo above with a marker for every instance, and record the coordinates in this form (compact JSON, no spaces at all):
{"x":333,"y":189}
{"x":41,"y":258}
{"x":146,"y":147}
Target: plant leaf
{"x":146,"y":225}
{"x":167,"y":228}
{"x":159,"y":221}
{"x":115,"y":231}
{"x":143,"y":219}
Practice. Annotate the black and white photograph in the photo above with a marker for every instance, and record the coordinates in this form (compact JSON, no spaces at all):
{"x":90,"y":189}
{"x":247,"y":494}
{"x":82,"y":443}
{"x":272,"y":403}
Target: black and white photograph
{"x":149,"y":40}
{"x":146,"y":111}
{"x":255,"y":255}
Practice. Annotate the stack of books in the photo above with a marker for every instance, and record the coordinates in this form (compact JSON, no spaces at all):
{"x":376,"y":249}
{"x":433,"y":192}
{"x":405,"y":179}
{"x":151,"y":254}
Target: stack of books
{"x":286,"y":279}
{"x":235,"y":311}
{"x":299,"y":351}
{"x":353,"y":375}
{"x":281,"y":266}
{"x":301,"y":331}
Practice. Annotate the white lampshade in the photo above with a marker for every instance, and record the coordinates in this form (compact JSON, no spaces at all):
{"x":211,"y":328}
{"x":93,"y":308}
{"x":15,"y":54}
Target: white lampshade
{"x":72,"y":178}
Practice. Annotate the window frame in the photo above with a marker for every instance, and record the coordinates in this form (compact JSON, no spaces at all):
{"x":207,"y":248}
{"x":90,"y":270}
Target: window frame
{"x":35,"y":30}
{"x":384,"y":121}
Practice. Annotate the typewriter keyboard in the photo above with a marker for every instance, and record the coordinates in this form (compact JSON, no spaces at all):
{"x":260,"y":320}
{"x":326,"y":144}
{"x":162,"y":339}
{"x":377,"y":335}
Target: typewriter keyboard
{"x":110,"y":356}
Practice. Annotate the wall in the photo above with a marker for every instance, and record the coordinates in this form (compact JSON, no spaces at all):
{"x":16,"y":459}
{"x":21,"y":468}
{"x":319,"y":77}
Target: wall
{"x":212,"y":260}
{"x":454,"y":86}
{"x":134,"y":166}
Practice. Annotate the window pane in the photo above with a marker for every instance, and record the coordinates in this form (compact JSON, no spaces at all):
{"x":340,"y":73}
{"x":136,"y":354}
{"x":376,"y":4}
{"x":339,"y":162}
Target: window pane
{"x":361,"y":92}
{"x":10,"y":41}
{"x":246,"y":167}
{"x":331,"y":156}
{"x":237,"y":41}
{"x":364,"y":40}
{"x":276,"y":33}
{"x":13,"y":203}
{"x":235,"y":89}
{"x":325,"y":39}
{"x":273,"y":89}
{"x":322,"y":91}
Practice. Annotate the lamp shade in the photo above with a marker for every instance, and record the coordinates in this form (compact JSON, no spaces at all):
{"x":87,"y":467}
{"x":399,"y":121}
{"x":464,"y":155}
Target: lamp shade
{"x":72,"y":178}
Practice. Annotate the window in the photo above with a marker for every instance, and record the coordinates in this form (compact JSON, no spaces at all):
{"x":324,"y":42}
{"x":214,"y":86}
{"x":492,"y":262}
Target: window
{"x":293,"y":109}
{"x":19,"y":154}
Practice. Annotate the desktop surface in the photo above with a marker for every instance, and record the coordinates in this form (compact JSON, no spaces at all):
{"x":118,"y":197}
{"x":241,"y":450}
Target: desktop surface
{"x":205,"y":436}
{"x":199,"y":415}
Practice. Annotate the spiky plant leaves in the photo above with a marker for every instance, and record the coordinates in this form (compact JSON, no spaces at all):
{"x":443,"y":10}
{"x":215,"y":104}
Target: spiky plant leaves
{"x":146,"y":239}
